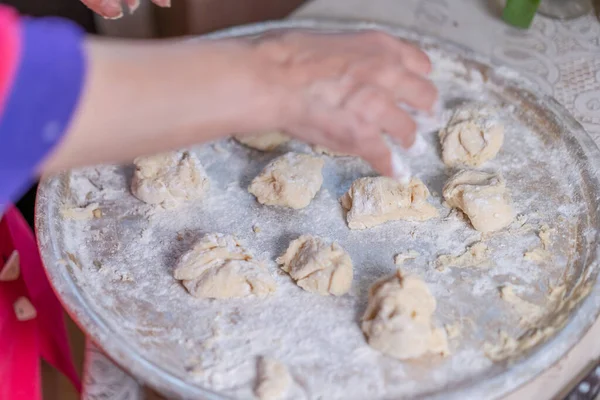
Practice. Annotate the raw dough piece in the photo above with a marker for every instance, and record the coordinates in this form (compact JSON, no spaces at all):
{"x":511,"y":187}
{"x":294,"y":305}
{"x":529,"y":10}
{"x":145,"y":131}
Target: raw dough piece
{"x":537,"y":255}
{"x":475,"y":256}
{"x":504,"y":348}
{"x":483,"y":197}
{"x":542,"y":253}
{"x":401,"y":258}
{"x":291,"y":180}
{"x":473,"y":136}
{"x":273,"y":380}
{"x":219,"y":267}
{"x":372,"y":201}
{"x":453,"y":331}
{"x":397,"y":321}
{"x":317,"y":266}
{"x":324,"y":150}
{"x":169,"y":179}
{"x":537,"y":331}
{"x":265,"y":141}
{"x":529,"y":313}
{"x":88,"y":212}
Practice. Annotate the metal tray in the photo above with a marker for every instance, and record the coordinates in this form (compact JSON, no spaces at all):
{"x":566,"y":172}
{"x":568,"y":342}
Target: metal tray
{"x":113,"y":273}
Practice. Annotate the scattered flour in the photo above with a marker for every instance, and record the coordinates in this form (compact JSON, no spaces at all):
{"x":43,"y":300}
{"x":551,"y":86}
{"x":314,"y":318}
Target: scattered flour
{"x":318,"y":337}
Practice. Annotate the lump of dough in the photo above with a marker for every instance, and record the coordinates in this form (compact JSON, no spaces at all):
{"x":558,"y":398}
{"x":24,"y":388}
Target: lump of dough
{"x":324,"y":150}
{"x":475,"y":256}
{"x":529,"y":313}
{"x":169,"y":179}
{"x":397,"y":321}
{"x":265,"y":141}
{"x":483,"y":197}
{"x":219,"y":267}
{"x":472,"y":136}
{"x":372,"y":201}
{"x":291,"y":180}
{"x":401,"y":258}
{"x":317,"y":266}
{"x":273,"y":381}
{"x":542,"y":253}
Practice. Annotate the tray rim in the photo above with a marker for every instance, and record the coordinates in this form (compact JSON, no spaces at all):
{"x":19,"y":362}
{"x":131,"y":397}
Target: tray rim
{"x":522,"y":371}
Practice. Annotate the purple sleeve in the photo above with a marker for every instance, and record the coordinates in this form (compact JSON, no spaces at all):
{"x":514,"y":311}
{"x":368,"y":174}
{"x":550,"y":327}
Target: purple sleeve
{"x":42,"y":98}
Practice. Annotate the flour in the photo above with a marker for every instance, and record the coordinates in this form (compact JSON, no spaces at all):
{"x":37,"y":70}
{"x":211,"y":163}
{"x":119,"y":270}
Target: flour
{"x":319,"y":338}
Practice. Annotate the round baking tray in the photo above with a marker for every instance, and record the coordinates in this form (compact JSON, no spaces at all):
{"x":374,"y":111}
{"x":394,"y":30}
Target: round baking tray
{"x":503,"y":378}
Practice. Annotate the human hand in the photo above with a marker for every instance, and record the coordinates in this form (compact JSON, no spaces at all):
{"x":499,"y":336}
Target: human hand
{"x":336,"y":90}
{"x":113,"y":9}
{"x":342,"y":90}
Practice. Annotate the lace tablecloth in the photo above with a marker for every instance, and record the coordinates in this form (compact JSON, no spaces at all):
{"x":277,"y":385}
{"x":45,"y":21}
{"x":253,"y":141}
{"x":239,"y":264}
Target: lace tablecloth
{"x":562,"y":57}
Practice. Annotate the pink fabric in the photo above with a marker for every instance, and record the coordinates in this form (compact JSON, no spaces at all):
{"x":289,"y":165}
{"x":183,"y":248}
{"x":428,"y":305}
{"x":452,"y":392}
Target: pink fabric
{"x":22,"y":343}
{"x":9,"y":50}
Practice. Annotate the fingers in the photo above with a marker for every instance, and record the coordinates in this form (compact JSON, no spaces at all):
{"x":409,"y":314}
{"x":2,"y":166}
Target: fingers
{"x":107,"y":8}
{"x":343,"y":130}
{"x":405,"y":85}
{"x":113,"y":9}
{"x":417,"y":92}
{"x":132,"y":5}
{"x":377,"y":153}
{"x":414,"y":59}
{"x":162,"y":3}
{"x":377,"y":108}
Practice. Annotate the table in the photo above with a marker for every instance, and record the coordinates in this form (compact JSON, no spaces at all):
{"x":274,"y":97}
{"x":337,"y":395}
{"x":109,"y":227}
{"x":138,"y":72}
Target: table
{"x":562,"y":58}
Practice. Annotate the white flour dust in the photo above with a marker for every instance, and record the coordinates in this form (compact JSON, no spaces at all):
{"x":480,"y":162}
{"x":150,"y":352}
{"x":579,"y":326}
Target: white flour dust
{"x":126,"y":258}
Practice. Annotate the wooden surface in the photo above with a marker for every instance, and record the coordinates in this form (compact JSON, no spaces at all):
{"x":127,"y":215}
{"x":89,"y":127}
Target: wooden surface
{"x":54,"y":385}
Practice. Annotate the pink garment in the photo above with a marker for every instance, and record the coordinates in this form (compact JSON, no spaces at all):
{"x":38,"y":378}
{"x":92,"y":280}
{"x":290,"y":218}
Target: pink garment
{"x":23,"y":343}
{"x":9,"y":50}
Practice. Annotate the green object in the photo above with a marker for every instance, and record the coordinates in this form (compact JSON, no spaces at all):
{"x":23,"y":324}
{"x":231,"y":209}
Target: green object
{"x":520,"y":13}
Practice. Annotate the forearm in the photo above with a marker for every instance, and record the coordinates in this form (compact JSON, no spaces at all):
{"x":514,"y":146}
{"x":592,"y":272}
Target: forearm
{"x":140,"y":98}
{"x":81,"y":101}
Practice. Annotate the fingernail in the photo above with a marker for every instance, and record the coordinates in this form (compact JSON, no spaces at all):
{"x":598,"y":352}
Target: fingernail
{"x":401,"y":169}
{"x":119,"y":15}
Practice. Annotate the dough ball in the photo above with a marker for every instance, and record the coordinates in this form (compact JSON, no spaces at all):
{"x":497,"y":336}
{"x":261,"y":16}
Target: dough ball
{"x":219,"y":267}
{"x":274,"y":380}
{"x":372,"y":201}
{"x":318,"y":266}
{"x":473,"y":136}
{"x":265,"y":141}
{"x":169,"y":179}
{"x":483,"y":197}
{"x":291,"y":180}
{"x":324,"y":150}
{"x":397,"y":321}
